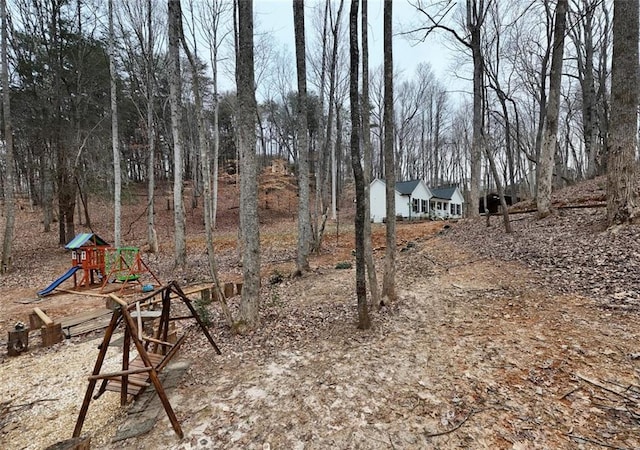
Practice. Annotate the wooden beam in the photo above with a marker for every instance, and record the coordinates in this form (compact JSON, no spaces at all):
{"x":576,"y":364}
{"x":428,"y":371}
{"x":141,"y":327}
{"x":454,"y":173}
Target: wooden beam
{"x":45,"y":319}
{"x":120,"y":373}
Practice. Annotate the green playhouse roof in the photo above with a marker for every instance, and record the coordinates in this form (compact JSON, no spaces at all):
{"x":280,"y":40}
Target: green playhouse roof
{"x":85,"y":239}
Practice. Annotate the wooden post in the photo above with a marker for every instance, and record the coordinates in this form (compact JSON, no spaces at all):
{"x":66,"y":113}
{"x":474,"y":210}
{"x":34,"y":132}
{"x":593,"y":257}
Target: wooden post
{"x":96,"y":370}
{"x":205,"y":296}
{"x":51,"y":334}
{"x":228,"y":290}
{"x":18,"y":342}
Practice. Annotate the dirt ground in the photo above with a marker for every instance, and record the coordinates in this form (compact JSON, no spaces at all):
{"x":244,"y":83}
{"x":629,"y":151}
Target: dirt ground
{"x":478,"y":352}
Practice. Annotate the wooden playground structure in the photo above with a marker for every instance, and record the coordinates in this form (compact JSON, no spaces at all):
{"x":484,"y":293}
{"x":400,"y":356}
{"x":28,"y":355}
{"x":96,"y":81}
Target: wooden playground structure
{"x":100,"y":264}
{"x":153,"y":352}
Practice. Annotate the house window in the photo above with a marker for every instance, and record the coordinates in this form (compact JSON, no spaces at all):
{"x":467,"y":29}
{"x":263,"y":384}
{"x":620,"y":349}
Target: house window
{"x":415,"y":205}
{"x":459,"y":210}
{"x":432,"y":204}
{"x":424,"y":206}
{"x":439,"y":205}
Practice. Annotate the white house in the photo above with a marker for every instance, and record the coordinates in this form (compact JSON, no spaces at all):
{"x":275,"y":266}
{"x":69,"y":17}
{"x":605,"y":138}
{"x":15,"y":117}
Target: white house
{"x":412,"y":199}
{"x":446,"y":202}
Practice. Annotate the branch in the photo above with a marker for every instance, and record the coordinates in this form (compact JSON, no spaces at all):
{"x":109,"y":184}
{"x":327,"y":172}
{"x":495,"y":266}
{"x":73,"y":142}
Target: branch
{"x":436,"y":23}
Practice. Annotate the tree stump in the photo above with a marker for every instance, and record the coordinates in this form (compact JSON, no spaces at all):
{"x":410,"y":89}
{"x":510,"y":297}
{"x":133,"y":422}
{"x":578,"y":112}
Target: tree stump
{"x":78,"y":443}
{"x":18,"y":342}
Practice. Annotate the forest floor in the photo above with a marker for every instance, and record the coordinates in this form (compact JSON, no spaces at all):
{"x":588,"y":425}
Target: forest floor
{"x":527,"y":340}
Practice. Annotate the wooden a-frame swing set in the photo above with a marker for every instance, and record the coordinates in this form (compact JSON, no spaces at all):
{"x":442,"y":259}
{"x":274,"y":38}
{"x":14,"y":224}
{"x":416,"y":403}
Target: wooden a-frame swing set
{"x":135,"y":375}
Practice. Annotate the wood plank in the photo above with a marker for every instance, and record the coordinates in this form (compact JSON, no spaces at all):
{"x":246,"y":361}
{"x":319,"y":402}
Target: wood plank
{"x":114,"y":386}
{"x":45,"y":319}
{"x":140,"y":380}
{"x":85,"y":316}
{"x":88,"y":293}
{"x":87,"y":327}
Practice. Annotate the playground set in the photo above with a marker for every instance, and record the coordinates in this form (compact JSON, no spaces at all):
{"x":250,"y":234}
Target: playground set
{"x":100,"y":264}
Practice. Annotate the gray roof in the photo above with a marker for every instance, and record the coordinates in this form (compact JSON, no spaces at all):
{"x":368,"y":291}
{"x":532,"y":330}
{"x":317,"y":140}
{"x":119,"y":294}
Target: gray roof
{"x":445,"y":193}
{"x":407,"y":187}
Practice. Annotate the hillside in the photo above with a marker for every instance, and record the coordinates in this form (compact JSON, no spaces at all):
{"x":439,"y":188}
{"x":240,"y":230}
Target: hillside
{"x":497,"y":341}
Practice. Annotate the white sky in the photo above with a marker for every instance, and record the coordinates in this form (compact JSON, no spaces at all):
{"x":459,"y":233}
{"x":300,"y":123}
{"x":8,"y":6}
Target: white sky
{"x":276,"y":16}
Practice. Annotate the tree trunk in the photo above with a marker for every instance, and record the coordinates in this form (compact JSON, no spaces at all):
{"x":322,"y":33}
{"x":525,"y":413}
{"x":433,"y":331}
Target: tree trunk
{"x":389,"y":279}
{"x":117,"y":176}
{"x":364,"y":323}
{"x":205,"y":170}
{"x":366,"y":142}
{"x":304,"y":227}
{"x":152,"y":237}
{"x":9,"y":182}
{"x":249,"y":227}
{"x":180,"y":251}
{"x":475,"y":17}
{"x":623,"y":141}
{"x":550,"y":139}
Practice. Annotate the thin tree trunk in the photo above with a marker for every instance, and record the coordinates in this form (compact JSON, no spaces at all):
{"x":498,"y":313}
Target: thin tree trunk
{"x":304,"y":227}
{"x":152,"y":237}
{"x":550,"y":139}
{"x":364,"y":322}
{"x":180,"y":251}
{"x":117,"y":175}
{"x":389,"y":279}
{"x":206,"y":178}
{"x":9,"y":182}
{"x":366,"y":141}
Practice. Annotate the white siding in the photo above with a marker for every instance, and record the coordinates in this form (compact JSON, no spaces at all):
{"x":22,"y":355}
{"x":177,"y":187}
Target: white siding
{"x":378,"y":198}
{"x":377,"y":195}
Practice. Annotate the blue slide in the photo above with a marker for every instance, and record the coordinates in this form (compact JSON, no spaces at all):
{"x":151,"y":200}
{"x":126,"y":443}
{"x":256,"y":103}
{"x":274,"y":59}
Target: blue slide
{"x":55,"y":284}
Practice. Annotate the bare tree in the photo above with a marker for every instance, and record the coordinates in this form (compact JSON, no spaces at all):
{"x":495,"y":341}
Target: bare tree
{"x":550,"y":139}
{"x":364,"y":323}
{"x":623,"y":141}
{"x":152,"y":236}
{"x":366,"y":142}
{"x":9,"y":181}
{"x":476,"y":13}
{"x":246,"y":118}
{"x":205,"y":169}
{"x":175,"y":89}
{"x":117,"y":175}
{"x":389,"y":278}
{"x":213,"y":14}
{"x":304,"y":227}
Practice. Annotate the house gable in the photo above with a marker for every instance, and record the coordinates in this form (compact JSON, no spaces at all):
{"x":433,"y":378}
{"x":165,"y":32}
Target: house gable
{"x":447,"y":202}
